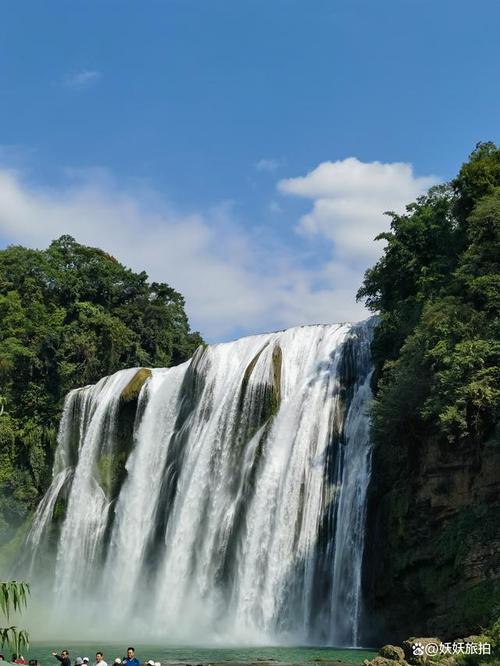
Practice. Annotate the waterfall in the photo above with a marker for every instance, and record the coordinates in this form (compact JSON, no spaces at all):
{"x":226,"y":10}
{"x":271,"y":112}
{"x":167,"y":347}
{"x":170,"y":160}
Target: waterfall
{"x":219,"y":500}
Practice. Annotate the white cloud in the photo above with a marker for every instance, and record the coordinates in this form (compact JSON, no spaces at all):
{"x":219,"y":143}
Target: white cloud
{"x":349,"y":198}
{"x":194,"y":253}
{"x":82,"y":79}
{"x":235,"y":281}
{"x":269,"y":165}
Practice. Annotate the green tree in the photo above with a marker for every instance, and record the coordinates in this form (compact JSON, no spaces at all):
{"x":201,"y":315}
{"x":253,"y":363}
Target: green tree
{"x":68,"y":316}
{"x":436,"y":289}
{"x":13,"y":598}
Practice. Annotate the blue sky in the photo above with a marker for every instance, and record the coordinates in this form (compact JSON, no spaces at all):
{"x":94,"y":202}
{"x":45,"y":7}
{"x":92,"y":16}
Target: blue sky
{"x":241,"y":150}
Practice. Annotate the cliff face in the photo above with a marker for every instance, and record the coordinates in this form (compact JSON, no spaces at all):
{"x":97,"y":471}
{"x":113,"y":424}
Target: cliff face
{"x":432,"y":558}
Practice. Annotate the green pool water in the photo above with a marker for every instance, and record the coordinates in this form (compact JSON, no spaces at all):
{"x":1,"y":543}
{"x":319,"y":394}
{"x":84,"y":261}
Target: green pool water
{"x":197,"y":655}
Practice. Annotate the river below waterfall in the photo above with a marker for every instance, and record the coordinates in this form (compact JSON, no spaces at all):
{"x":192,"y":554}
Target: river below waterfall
{"x":234,"y":656}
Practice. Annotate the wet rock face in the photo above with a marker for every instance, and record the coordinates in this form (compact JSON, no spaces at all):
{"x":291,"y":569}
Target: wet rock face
{"x":432,"y":559}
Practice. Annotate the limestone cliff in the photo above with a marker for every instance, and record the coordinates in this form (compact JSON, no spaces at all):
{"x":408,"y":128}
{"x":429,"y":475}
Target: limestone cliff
{"x":432,"y":553}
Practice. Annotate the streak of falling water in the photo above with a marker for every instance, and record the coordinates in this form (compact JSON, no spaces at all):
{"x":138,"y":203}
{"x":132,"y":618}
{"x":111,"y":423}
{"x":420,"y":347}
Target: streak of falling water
{"x":44,"y":513}
{"x":136,"y":505}
{"x":87,"y":512}
{"x":238,"y":510}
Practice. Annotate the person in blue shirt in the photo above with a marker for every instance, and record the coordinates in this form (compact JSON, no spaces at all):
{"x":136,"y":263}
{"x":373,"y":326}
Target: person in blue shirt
{"x":131,"y":659}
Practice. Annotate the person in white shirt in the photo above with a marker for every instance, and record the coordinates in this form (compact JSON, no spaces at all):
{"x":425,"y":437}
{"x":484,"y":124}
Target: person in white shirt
{"x":99,"y":659}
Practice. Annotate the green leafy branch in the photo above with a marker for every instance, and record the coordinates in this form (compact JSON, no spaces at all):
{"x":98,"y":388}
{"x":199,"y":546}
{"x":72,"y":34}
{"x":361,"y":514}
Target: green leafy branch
{"x":13,"y":599}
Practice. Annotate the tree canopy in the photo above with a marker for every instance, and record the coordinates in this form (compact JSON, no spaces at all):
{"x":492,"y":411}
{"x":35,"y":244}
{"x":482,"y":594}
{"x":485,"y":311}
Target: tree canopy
{"x":437,"y":291}
{"x":68,"y":316}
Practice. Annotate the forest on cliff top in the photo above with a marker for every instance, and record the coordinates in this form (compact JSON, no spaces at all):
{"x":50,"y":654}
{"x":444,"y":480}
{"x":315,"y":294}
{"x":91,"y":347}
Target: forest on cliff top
{"x":437,"y":291}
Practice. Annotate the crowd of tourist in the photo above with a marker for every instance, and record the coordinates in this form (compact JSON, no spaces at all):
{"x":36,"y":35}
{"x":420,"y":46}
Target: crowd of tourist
{"x":19,"y":659}
{"x":64,"y":658}
{"x":129,"y":660}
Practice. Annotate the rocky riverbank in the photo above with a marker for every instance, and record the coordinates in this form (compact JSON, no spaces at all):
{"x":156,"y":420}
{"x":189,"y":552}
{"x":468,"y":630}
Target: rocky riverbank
{"x":424,"y":651}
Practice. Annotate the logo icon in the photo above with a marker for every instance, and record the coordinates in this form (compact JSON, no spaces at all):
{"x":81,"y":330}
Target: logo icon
{"x":418,"y":649}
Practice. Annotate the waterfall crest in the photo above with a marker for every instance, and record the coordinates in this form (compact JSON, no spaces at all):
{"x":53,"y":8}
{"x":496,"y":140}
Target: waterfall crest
{"x":223,"y":500}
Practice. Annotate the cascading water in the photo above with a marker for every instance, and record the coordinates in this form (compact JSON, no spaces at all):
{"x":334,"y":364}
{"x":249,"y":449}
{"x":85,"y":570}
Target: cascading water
{"x":224,"y":501}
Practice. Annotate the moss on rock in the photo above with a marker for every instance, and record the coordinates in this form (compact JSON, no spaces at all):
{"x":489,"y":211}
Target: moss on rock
{"x":111,"y":472}
{"x":133,"y":388}
{"x":109,"y":468}
{"x":59,"y":512}
{"x":270,"y":392}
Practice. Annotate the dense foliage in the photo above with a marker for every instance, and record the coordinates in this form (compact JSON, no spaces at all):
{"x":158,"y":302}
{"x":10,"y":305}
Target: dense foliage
{"x":13,"y":598}
{"x":437,"y":291}
{"x":68,"y":316}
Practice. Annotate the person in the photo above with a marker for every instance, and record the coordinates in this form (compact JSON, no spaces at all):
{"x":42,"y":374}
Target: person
{"x":86,"y":660}
{"x":118,"y":661}
{"x":99,"y":659}
{"x":78,"y":661}
{"x":63,"y":657}
{"x":131,"y":659}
